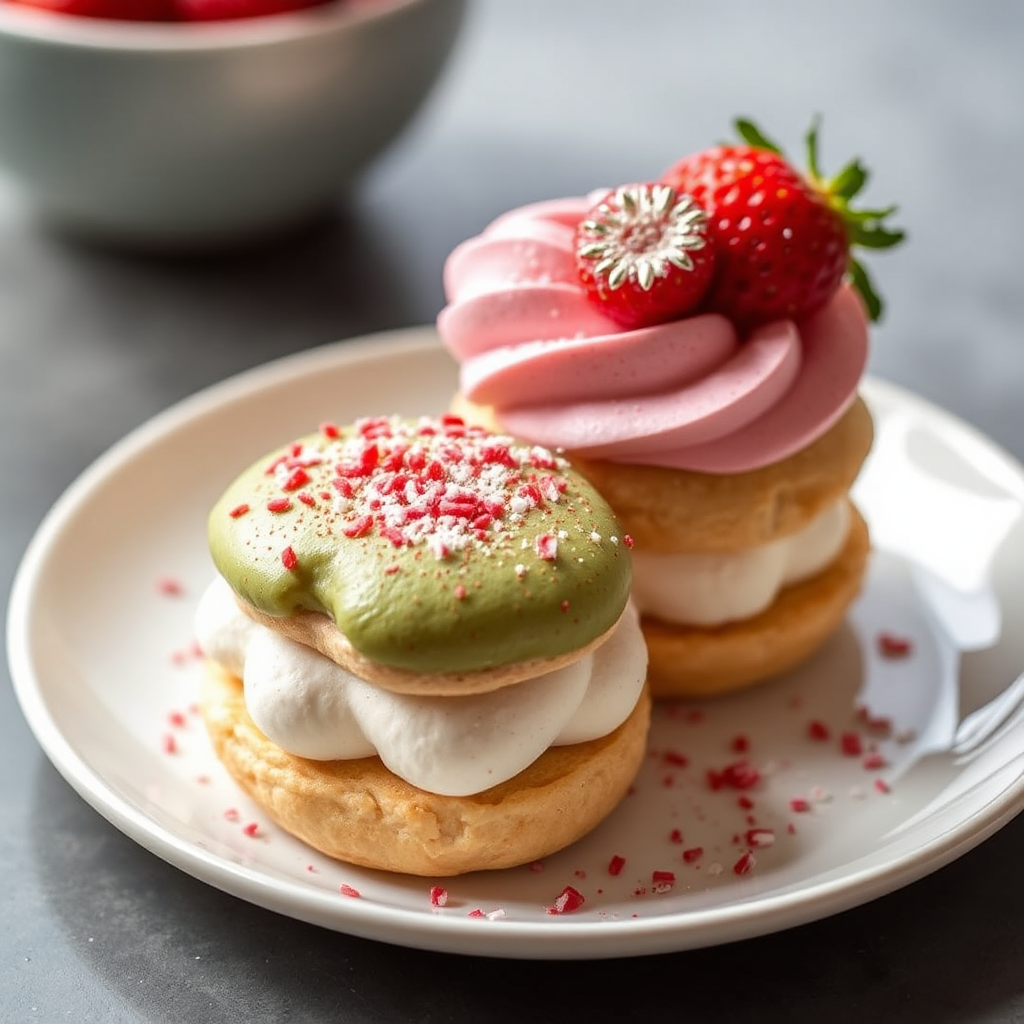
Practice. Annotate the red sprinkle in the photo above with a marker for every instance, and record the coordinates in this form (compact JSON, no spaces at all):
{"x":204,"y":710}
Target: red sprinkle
{"x":694,"y":853}
{"x":476,"y":913}
{"x":546,"y":547}
{"x":289,"y":559}
{"x":745,"y":802}
{"x":818,"y":730}
{"x":759,"y":837}
{"x":358,"y":527}
{"x":298,"y":478}
{"x":739,"y":775}
{"x":239,"y":510}
{"x":170,"y":587}
{"x":800,"y":805}
{"x":251,"y":829}
{"x":851,"y":745}
{"x":892,"y":646}
{"x":745,"y":864}
{"x":569,"y":900}
{"x":231,"y":814}
{"x":874,"y":761}
{"x":675,"y":836}
{"x":663,"y":881}
{"x":177,"y":719}
{"x":628,"y":541}
{"x":346,"y":890}
{"x":882,"y":786}
{"x":438,"y":896}
{"x":675,"y":758}
{"x":279,"y":504}
{"x":616,"y":864}
{"x":741,"y":744}
{"x":169,"y":744}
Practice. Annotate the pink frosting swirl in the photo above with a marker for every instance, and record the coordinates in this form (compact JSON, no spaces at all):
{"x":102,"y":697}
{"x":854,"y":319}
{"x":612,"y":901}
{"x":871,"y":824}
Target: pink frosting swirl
{"x":688,"y":394}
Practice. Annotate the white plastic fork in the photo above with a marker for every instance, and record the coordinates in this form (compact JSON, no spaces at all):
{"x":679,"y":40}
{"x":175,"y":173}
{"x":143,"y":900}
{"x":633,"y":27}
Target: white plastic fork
{"x":981,"y":725}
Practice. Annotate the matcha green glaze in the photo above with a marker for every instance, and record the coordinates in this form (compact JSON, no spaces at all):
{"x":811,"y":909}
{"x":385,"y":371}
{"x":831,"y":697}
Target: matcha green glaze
{"x":450,"y":596}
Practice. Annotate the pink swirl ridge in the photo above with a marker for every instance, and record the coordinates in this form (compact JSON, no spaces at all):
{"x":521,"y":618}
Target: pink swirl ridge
{"x":688,"y":394}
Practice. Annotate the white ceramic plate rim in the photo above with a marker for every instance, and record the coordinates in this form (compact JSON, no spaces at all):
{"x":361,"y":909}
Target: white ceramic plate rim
{"x":863,"y":879}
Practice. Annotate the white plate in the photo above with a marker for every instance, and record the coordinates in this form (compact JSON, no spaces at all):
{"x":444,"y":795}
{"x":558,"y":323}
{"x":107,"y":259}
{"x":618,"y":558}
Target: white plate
{"x":101,"y":652}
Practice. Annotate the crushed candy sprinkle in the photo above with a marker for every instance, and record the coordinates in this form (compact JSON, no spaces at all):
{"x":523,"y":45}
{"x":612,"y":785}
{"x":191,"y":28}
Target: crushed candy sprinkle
{"x":410,"y":483}
{"x":745,"y":864}
{"x":663,"y":881}
{"x":739,"y":775}
{"x":170,"y":587}
{"x":891,"y":645}
{"x":569,"y":899}
{"x":851,"y":745}
{"x":759,"y":837}
{"x":818,"y":730}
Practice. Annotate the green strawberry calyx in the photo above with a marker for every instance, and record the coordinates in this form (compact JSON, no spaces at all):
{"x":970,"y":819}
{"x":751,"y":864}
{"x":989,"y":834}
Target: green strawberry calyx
{"x":864,"y":228}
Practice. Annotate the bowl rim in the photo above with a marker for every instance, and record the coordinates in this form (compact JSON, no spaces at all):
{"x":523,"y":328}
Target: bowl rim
{"x":42,"y":27}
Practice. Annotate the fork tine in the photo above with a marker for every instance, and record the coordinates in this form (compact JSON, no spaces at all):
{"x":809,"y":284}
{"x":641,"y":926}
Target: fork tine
{"x":980,"y":725}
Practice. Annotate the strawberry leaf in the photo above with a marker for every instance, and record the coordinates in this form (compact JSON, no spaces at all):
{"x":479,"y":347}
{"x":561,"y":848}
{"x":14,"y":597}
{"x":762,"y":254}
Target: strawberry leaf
{"x":849,"y":181}
{"x":875,"y":236}
{"x":811,"y":149}
{"x":752,"y":135}
{"x":862,"y":282}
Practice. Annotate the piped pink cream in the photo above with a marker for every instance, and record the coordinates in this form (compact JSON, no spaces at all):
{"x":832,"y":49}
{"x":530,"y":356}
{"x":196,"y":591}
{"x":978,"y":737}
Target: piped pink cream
{"x":687,"y":394}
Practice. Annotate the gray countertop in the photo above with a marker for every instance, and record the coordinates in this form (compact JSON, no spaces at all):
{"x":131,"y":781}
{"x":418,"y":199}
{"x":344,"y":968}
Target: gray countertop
{"x":541,"y":100}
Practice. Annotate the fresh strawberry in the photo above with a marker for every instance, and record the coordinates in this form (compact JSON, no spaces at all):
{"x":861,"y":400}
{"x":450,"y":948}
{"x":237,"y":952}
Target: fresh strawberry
{"x":783,"y":239}
{"x":643,"y":256}
{"x":225,"y":10}
{"x":120,"y":10}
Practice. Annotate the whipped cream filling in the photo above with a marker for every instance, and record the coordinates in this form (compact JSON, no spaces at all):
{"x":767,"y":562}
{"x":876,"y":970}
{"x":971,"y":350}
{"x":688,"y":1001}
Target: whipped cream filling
{"x":710,"y":589}
{"x":454,"y":746}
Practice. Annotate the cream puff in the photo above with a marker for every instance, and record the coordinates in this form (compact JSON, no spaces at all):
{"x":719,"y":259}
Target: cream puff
{"x":701,"y":367}
{"x":421,"y":652}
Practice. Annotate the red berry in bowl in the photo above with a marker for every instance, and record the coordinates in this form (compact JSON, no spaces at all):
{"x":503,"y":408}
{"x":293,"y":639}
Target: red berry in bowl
{"x":783,"y":238}
{"x":118,"y":10}
{"x":643,"y":255}
{"x":226,"y":10}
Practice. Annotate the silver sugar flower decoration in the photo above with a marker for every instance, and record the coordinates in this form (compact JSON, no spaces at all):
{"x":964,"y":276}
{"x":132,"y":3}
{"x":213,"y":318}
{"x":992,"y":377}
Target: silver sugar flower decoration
{"x":641,"y":231}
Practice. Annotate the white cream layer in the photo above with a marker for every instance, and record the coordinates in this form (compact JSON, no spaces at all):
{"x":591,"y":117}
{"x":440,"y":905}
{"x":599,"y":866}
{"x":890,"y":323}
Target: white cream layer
{"x":454,"y":746}
{"x":712,"y":589}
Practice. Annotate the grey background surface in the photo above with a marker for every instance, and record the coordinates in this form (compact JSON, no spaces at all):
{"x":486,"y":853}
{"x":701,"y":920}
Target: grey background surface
{"x":542,"y":99}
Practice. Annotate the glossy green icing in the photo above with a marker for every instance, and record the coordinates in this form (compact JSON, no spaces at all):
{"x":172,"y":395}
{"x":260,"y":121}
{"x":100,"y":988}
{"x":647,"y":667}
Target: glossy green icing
{"x":491,"y":601}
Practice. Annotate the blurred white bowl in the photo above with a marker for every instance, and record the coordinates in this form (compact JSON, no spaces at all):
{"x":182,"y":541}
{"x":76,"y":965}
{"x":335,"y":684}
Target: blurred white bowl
{"x":175,"y":134}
